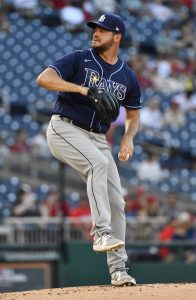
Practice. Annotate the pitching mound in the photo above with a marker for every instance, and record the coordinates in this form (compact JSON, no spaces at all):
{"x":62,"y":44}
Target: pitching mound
{"x":140,"y":292}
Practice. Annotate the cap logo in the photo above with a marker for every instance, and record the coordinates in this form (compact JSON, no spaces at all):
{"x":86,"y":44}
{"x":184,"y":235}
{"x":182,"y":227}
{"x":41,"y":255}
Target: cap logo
{"x":117,"y":28}
{"x":102,"y":18}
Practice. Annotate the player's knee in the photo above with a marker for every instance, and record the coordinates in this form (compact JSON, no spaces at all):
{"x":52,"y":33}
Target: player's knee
{"x":119,"y":205}
{"x":99,"y":166}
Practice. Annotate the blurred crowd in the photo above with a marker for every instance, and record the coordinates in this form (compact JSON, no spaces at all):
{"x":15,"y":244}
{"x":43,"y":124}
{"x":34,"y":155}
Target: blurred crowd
{"x":165,"y":65}
{"x":179,"y":224}
{"x":26,"y":204}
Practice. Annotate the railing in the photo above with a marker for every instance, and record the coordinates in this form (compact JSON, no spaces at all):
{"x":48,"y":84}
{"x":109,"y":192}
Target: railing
{"x":46,"y":231}
{"x":146,"y":229}
{"x":45,"y":238}
{"x":30,"y":230}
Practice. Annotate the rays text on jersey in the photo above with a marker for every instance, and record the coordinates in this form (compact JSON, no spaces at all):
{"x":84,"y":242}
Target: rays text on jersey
{"x":93,"y":78}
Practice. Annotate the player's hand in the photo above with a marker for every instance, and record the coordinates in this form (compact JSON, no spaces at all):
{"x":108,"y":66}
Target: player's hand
{"x":126,"y":148}
{"x":83,"y":90}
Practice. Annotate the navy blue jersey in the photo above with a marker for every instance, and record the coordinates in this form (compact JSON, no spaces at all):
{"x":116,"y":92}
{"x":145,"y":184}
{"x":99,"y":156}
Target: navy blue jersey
{"x":87,"y":68}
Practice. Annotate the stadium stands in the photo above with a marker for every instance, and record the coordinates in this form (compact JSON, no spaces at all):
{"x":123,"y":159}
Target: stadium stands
{"x":30,"y":46}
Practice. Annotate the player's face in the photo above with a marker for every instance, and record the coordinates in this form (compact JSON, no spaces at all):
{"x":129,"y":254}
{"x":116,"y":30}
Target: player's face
{"x":102,"y":39}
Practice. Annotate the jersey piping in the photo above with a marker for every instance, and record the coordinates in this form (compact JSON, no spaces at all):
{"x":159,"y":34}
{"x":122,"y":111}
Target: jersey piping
{"x":53,"y":67}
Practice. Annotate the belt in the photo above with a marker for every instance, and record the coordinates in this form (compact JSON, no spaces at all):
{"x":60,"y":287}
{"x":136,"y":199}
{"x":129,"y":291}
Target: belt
{"x":78,"y":124}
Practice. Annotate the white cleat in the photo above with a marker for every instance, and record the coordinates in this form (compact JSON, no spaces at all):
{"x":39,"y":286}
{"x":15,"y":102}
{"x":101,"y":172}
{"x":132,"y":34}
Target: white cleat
{"x":122,"y":278}
{"x":107,"y":242}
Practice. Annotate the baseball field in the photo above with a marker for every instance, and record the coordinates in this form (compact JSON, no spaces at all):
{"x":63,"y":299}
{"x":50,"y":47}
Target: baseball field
{"x":139,"y":292}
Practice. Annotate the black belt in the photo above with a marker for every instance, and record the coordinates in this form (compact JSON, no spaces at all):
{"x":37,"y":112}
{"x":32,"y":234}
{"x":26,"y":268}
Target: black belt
{"x":78,"y":124}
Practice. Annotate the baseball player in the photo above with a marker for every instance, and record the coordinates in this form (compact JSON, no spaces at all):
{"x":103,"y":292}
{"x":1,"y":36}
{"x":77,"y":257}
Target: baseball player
{"x":91,"y":85}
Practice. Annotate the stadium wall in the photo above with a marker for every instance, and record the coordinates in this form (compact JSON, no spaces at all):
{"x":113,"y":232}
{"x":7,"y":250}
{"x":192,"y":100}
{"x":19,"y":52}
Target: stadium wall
{"x":78,"y":265}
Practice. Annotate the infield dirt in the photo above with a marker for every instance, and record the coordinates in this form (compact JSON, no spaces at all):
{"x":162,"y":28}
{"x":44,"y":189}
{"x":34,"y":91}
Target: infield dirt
{"x":139,"y":292}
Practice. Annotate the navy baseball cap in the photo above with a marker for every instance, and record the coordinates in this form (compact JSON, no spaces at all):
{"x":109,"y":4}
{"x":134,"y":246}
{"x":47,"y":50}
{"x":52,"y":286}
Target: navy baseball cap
{"x":110,"y":22}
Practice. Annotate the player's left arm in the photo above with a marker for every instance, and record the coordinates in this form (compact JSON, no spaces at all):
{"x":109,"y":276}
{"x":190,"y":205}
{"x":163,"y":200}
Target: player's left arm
{"x":132,"y":123}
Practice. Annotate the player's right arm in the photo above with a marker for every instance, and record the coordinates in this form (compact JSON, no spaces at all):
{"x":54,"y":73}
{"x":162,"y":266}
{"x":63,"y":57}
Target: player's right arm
{"x":50,"y":80}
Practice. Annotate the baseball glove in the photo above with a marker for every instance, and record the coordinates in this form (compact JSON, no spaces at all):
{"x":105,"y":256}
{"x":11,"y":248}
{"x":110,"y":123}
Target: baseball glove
{"x":106,"y":105}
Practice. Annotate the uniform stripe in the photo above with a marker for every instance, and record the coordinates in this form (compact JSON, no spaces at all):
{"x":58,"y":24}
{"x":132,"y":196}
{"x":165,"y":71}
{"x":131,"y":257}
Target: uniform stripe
{"x":116,"y":71}
{"x":133,"y":107}
{"x":97,"y":63}
{"x":85,"y":158}
{"x":55,"y":68}
{"x":101,"y":77}
{"x":92,"y":119}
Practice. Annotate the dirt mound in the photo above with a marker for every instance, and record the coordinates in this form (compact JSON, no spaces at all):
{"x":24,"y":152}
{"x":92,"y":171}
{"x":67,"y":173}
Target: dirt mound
{"x":139,"y":292}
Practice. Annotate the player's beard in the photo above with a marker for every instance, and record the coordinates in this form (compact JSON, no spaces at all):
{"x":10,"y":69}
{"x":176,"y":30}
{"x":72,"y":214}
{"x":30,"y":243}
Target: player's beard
{"x":104,"y":47}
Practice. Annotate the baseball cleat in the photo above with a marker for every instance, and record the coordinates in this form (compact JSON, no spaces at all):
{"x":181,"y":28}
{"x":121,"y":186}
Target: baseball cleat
{"x":122,"y":278}
{"x":107,"y":242}
{"x":117,"y":248}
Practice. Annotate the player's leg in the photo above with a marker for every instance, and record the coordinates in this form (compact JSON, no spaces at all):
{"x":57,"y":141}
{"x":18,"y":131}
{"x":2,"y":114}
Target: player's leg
{"x":116,"y":260}
{"x":116,"y":199}
{"x":118,"y":219}
{"x":75,"y":147}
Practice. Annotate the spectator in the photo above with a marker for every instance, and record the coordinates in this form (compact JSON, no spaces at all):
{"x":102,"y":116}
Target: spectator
{"x":129,"y":199}
{"x":174,"y":115}
{"x":19,"y":144}
{"x":50,"y":11}
{"x":164,"y":42}
{"x":159,"y":11}
{"x":83,"y":208}
{"x":180,"y":228}
{"x":134,"y":7}
{"x":163,"y":67}
{"x":135,"y":202}
{"x":145,"y":80}
{"x":4,"y":100}
{"x":81,"y":221}
{"x":170,"y":207}
{"x":54,"y":205}
{"x":165,"y":236}
{"x":186,"y":101}
{"x":4,"y":150}
{"x":131,"y":204}
{"x":25,"y":204}
{"x":138,"y":62}
{"x":184,"y":231}
{"x":150,"y":169}
{"x":149,"y":207}
{"x":55,"y":4}
{"x":72,"y":16}
{"x":177,"y":159}
{"x":185,"y":39}
{"x":4,"y":23}
{"x":151,"y":116}
{"x":89,"y":10}
{"x":66,"y":12}
{"x":173,"y":83}
{"x":39,"y":145}
{"x":27,"y":9}
{"x":105,"y":6}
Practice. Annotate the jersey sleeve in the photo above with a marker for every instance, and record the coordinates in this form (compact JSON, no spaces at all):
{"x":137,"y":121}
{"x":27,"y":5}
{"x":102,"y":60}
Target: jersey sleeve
{"x":66,"y":66}
{"x":133,"y":97}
